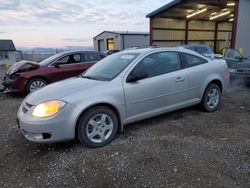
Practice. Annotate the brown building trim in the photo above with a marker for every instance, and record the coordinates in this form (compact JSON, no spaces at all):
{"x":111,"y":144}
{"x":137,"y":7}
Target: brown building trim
{"x":215,"y":36}
{"x":186,"y":32}
{"x":235,"y":22}
{"x":151,"y":30}
{"x":196,"y":40}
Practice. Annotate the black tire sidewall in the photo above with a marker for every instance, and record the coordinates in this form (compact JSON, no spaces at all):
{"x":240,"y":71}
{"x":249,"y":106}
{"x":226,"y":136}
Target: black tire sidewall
{"x":84,"y":119}
{"x":204,"y":100}
{"x":34,"y":80}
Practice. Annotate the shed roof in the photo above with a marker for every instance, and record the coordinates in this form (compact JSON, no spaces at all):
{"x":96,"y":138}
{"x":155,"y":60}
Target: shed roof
{"x":180,"y":9}
{"x":124,"y":33}
{"x":163,"y":8}
{"x":7,"y":45}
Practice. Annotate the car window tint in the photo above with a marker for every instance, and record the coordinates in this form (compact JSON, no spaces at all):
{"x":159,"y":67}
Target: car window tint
{"x":73,"y":58}
{"x":90,"y":57}
{"x":232,"y":53}
{"x":159,"y":63}
{"x":201,"y":50}
{"x":192,"y":60}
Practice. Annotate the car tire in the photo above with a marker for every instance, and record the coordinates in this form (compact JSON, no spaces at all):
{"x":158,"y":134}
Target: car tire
{"x":97,"y":127}
{"x":34,"y":84}
{"x":211,"y":98}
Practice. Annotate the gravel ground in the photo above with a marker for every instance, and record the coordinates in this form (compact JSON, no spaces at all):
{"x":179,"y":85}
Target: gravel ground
{"x":187,"y":148}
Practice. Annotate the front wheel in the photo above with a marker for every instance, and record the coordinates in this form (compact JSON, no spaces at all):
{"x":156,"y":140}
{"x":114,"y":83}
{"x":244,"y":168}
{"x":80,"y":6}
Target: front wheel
{"x":211,"y":98}
{"x":97,"y":127}
{"x":35,"y":84}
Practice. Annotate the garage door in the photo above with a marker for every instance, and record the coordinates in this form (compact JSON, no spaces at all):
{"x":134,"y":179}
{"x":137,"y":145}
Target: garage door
{"x":101,"y":46}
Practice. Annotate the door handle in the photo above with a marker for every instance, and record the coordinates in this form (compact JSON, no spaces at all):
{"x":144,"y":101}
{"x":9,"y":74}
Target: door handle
{"x":179,"y":79}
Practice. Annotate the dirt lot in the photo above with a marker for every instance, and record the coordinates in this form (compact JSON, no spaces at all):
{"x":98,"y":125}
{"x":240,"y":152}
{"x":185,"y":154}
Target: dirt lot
{"x":188,"y":148}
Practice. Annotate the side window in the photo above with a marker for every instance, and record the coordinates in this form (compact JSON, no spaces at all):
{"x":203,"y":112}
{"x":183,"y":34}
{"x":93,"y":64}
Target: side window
{"x":92,"y":57}
{"x":158,"y":64}
{"x":192,"y":60}
{"x":73,"y":58}
{"x":232,"y":53}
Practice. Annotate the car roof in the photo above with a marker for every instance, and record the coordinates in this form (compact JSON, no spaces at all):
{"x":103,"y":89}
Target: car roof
{"x":78,"y":51}
{"x":145,"y":51}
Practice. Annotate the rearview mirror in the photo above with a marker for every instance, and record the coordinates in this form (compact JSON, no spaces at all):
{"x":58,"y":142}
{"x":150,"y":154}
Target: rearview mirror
{"x":134,"y":76}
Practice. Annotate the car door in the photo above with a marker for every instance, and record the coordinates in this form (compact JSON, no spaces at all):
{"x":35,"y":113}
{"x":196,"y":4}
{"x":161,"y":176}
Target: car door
{"x":196,"y":70}
{"x":65,"y":67}
{"x":232,"y":57}
{"x":163,"y":87}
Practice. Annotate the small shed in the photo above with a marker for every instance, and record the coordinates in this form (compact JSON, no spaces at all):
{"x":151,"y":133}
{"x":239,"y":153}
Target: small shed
{"x":120,"y":40}
{"x":7,"y":52}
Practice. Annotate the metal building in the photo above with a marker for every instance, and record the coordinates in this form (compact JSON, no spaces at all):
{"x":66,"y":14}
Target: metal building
{"x":119,"y":40}
{"x":217,"y":23}
{"x":7,"y":52}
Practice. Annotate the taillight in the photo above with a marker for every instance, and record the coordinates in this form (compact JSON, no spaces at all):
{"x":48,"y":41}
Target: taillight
{"x":226,"y":76}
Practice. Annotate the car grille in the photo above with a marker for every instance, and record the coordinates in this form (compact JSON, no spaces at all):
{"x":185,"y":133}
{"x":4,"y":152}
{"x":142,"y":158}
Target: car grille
{"x":243,"y":71}
{"x":26,"y":107}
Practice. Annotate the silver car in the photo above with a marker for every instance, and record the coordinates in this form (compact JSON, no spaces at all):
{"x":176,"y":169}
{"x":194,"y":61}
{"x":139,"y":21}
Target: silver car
{"x":122,"y":88}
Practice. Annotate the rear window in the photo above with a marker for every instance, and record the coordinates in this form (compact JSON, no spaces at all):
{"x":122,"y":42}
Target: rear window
{"x":192,"y":60}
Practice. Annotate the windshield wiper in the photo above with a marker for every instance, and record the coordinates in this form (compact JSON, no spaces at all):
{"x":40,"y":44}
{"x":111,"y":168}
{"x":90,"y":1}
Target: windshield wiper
{"x":94,"y":78}
{"x":89,"y":77}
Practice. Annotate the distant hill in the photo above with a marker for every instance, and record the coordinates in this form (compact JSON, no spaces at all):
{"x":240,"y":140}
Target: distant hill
{"x":39,"y":50}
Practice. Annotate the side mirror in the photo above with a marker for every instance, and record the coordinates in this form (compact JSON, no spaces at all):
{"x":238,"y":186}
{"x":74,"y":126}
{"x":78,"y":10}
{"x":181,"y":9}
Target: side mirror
{"x":57,"y":65}
{"x":134,"y":76}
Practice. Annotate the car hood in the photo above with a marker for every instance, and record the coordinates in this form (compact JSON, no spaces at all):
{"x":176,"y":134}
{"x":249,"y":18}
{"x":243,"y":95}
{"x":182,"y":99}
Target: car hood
{"x":241,"y":65}
{"x":17,"y":66}
{"x":61,"y":89}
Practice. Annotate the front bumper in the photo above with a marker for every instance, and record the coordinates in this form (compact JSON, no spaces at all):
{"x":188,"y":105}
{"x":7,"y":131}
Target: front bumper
{"x":13,"y":85}
{"x":60,"y":127}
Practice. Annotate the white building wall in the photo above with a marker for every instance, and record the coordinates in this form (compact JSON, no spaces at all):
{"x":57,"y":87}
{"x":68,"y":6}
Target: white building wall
{"x":135,"y":40}
{"x":10,"y":60}
{"x":122,"y":41}
{"x":106,"y":36}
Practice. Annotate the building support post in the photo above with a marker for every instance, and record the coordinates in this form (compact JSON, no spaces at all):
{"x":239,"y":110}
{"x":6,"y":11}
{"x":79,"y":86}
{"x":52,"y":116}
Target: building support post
{"x":186,"y":32}
{"x":216,"y":37}
{"x":151,"y":31}
{"x":234,"y":32}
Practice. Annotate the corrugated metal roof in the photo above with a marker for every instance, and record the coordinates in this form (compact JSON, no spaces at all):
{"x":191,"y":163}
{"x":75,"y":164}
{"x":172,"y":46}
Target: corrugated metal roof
{"x":7,"y":45}
{"x":163,"y":8}
{"x":124,"y":33}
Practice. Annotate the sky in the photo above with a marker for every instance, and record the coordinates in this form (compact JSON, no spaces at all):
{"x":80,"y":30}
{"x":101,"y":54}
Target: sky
{"x":62,"y":23}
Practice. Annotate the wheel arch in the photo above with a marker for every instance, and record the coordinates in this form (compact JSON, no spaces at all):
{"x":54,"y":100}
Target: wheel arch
{"x":108,"y":105}
{"x":34,"y":77}
{"x":216,"y":82}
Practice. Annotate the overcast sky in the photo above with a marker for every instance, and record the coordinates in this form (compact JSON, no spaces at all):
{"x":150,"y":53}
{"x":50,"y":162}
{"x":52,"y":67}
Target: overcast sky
{"x":60,"y":23}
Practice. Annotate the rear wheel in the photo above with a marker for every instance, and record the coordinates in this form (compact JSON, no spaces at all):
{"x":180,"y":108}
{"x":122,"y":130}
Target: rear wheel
{"x":97,"y":127}
{"x":35,"y":84}
{"x":211,"y":98}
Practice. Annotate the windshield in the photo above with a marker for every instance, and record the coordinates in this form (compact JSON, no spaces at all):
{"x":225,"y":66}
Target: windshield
{"x":109,"y":67}
{"x":50,"y":59}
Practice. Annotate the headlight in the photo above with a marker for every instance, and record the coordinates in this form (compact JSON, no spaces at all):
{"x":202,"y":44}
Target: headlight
{"x":48,"y":109}
{"x":232,"y":70}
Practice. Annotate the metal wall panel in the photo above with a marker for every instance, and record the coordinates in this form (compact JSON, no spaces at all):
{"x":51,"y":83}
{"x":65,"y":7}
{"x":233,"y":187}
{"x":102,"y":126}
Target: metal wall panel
{"x":169,"y":23}
{"x":201,"y":35}
{"x":167,"y":44}
{"x":168,"y":35}
{"x":202,"y":25}
{"x":225,"y":26}
{"x":243,"y":27}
